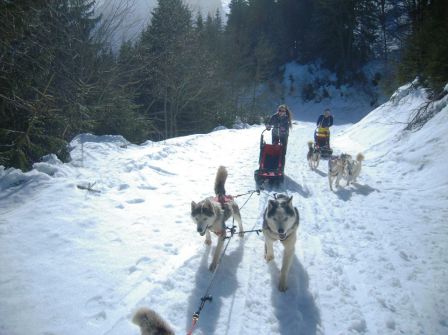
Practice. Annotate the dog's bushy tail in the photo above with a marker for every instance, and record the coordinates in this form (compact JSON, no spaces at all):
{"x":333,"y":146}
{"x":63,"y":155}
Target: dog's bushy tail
{"x":151,"y":323}
{"x":220,"y":180}
{"x":360,"y":157}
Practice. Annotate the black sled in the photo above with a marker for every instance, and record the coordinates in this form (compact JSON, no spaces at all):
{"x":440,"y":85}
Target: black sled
{"x":322,"y":142}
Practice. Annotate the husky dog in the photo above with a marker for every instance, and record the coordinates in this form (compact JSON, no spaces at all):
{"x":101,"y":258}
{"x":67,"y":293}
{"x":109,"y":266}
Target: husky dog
{"x":211,"y":214}
{"x":336,"y":168}
{"x":353,"y":168}
{"x":280,"y":223}
{"x":151,"y":323}
{"x":313,"y":156}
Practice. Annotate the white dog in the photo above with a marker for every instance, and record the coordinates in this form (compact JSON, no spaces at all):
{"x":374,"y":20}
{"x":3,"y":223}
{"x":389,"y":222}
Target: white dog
{"x":313,"y":156}
{"x":211,"y":214}
{"x":336,"y":168}
{"x":280,"y":223}
{"x":353,"y":168}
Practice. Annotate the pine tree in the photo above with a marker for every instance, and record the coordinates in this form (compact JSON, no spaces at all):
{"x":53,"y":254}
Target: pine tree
{"x":343,"y":34}
{"x":56,"y":80}
{"x":426,"y":48}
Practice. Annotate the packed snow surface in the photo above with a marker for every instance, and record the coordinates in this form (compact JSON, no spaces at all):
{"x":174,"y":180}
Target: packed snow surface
{"x":84,"y":244}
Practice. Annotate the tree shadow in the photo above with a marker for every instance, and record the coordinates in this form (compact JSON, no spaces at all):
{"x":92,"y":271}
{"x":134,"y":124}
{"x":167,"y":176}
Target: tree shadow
{"x":224,"y":284}
{"x":295,"y":309}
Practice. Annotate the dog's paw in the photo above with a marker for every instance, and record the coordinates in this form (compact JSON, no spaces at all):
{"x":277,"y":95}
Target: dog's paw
{"x":208,"y":242}
{"x":282,"y":286}
{"x":241,"y":234}
{"x":212,"y":267}
{"x":268,"y":258}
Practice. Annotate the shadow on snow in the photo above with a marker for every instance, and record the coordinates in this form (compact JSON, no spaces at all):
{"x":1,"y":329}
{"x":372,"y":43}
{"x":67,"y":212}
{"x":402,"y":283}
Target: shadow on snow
{"x":345,"y":194}
{"x":295,"y":309}
{"x":288,"y":186}
{"x":225,"y":274}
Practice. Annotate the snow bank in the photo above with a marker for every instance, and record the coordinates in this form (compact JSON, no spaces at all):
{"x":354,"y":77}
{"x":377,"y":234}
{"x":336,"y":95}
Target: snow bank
{"x":382,"y":137}
{"x":348,"y":103}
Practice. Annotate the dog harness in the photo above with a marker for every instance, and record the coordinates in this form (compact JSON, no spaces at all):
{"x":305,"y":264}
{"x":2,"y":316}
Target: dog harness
{"x":223,"y":199}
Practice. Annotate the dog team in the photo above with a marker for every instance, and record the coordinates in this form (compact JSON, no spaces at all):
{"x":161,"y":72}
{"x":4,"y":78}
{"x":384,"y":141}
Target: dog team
{"x":342,"y":166}
{"x":280,"y":223}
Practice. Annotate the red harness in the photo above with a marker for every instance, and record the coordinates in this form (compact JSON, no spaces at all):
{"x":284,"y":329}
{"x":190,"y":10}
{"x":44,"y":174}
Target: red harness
{"x":223,"y":199}
{"x":220,"y":233}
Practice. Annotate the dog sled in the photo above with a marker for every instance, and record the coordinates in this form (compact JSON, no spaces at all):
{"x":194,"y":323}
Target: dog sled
{"x":271,"y":162}
{"x":322,"y":142}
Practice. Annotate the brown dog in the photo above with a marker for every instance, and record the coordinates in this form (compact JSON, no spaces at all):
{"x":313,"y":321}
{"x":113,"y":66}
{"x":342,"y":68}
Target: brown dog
{"x":151,"y":323}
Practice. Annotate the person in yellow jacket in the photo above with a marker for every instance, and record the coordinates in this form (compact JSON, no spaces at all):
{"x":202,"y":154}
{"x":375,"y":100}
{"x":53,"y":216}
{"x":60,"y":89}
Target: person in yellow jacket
{"x":322,"y":134}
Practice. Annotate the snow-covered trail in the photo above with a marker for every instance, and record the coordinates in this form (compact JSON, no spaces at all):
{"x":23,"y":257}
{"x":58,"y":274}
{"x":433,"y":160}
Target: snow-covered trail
{"x":369,"y":258}
{"x":330,"y":282}
{"x":340,"y":281}
{"x":245,"y":295}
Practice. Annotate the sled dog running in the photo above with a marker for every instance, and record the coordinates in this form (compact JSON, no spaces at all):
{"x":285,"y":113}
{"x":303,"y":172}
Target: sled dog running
{"x":280,"y":223}
{"x":211,"y":214}
{"x":336,"y":168}
{"x":353,"y":168}
{"x":313,"y":156}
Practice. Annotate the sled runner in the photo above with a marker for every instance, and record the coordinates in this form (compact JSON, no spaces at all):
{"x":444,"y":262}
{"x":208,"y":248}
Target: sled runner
{"x":271,"y":162}
{"x":322,"y":142}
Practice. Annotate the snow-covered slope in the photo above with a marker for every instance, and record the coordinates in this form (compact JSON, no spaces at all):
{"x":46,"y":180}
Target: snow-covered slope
{"x":370,"y":259}
{"x":309,"y":88}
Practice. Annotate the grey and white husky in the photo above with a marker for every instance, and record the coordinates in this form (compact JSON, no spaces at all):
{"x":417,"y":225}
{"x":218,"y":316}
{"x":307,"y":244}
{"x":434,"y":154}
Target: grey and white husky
{"x":313,"y":156}
{"x":211,"y":214}
{"x":280,"y":223}
{"x":151,"y":323}
{"x":336,"y":168}
{"x":353,"y":168}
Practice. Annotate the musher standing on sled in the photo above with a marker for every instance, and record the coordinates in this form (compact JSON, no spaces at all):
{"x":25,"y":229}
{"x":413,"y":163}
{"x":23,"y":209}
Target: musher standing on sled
{"x":324,"y":122}
{"x":280,"y":123}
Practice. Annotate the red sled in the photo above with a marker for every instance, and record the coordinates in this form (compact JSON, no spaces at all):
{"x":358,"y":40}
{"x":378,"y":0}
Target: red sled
{"x":271,"y":162}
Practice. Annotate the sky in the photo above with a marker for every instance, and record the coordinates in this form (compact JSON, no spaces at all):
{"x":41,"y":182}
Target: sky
{"x":84,"y":244}
{"x":138,"y":13}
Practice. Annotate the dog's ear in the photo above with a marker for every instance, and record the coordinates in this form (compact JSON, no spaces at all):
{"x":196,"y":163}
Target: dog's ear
{"x":193,"y":205}
{"x":207,"y":203}
{"x":272,"y":204}
{"x":272,"y":207}
{"x":209,"y":206}
{"x":290,"y":201}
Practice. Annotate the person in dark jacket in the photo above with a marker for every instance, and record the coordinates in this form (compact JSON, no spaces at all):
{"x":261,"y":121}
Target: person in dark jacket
{"x":325,"y":120}
{"x":280,"y":123}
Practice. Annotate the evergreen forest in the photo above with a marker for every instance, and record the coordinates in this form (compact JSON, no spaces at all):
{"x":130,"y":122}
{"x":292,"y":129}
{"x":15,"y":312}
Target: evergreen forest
{"x":186,"y":73}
